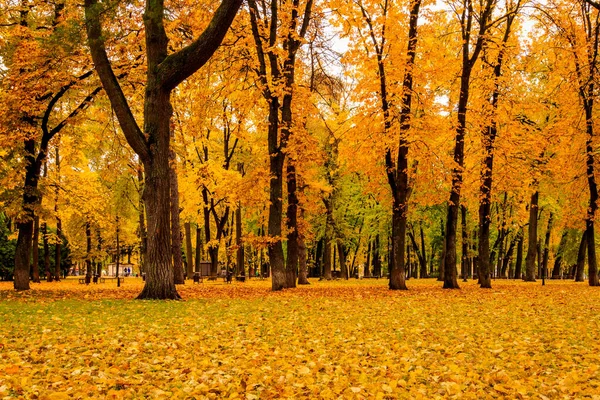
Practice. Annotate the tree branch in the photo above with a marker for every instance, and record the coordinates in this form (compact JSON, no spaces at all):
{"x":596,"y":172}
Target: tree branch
{"x":180,"y":65}
{"x":131,"y":130}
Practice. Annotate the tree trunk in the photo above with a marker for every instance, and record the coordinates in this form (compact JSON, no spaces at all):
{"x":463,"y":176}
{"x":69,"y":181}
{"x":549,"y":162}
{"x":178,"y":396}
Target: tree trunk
{"x":175,"y":221}
{"x":141,"y":220}
{"x":99,"y":247}
{"x":292,"y":225}
{"x":57,"y":247}
{"x":302,"y":255}
{"x":240,"y":267}
{"x":367,"y":268}
{"x":327,"y":260}
{"x":36,"y":250}
{"x":532,"y":239}
{"x":519,"y":262}
{"x":557,"y":270}
{"x":397,"y":270}
{"x":199,"y":247}
{"x":343,"y":259}
{"x":465,"y":242}
{"x":547,"y":247}
{"x":581,"y":258}
{"x":188,"y":250}
{"x":376,"y":257}
{"x":88,"y":252}
{"x":46,"y":250}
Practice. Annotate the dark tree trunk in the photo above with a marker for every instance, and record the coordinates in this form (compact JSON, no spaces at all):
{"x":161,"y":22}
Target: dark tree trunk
{"x":99,"y":248}
{"x":581,"y":258}
{"x":507,"y":259}
{"x":292,"y":224}
{"x":88,"y":252}
{"x":519,"y":262}
{"x":199,"y":246}
{"x":532,"y":239}
{"x":465,"y":242}
{"x":175,"y":221}
{"x":141,"y":221}
{"x":442,"y":260}
{"x":58,"y":245}
{"x":547,"y":247}
{"x":367,"y":269}
{"x":188,"y":250}
{"x":327,"y":260}
{"x":557,"y":270}
{"x":240,"y":264}
{"x":302,"y":255}
{"x":376,"y":257}
{"x":35,"y":256}
{"x":343,"y":255}
{"x":46,"y":250}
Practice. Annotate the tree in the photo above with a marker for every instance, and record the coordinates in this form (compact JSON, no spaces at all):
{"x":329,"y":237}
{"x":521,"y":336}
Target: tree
{"x":164,"y":73}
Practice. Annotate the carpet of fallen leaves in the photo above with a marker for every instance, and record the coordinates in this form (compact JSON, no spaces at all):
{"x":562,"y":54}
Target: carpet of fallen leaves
{"x":328,"y":340}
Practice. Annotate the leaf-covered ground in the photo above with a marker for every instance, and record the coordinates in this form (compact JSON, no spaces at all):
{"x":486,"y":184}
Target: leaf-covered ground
{"x":329,"y":340}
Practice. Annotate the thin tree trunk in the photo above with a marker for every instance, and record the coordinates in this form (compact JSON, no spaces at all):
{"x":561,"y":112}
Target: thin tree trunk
{"x":519,"y":262}
{"x":36,"y":249}
{"x":188,"y":250}
{"x":88,"y":252}
{"x":240,"y":267}
{"x":581,"y":258}
{"x":46,"y":250}
{"x":199,"y":246}
{"x":532,"y":239}
{"x":57,"y":248}
{"x":302,"y":255}
{"x":175,"y":221}
{"x":465,"y":242}
{"x":547,"y":247}
{"x":292,"y":225}
{"x":556,"y":271}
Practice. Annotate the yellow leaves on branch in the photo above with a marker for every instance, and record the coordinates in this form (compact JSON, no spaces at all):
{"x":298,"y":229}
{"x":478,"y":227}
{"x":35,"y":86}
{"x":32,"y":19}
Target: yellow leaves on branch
{"x":330,"y":340}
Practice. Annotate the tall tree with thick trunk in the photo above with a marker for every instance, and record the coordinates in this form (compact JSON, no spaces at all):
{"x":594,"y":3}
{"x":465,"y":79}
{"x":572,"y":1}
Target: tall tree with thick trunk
{"x":532,"y":238}
{"x":468,"y":17}
{"x":152,"y":144}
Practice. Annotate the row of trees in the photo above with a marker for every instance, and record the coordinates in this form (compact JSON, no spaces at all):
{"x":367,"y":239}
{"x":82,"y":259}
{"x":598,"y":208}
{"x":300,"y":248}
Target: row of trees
{"x":378,"y":131}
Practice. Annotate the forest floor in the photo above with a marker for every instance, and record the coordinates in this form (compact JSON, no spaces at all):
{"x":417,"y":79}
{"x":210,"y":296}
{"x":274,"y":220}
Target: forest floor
{"x":337,"y":339}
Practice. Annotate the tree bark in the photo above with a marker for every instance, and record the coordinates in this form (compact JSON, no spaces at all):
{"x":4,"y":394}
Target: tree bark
{"x":327,"y":259}
{"x":581,"y":258}
{"x":292,"y":224}
{"x":88,"y":252}
{"x":519,"y":262}
{"x":57,"y":246}
{"x":547,"y":247}
{"x":199,"y":246}
{"x":175,"y":221}
{"x":557,"y":270}
{"x":188,"y":250}
{"x":240,"y":267}
{"x":532,"y":239}
{"x":302,"y":256}
{"x":36,"y":251}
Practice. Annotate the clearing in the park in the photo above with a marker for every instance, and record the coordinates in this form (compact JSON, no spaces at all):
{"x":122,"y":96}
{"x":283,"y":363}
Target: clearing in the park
{"x":328,"y":340}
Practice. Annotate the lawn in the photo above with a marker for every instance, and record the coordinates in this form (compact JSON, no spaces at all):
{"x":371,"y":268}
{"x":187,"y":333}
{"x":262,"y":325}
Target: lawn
{"x":337,"y":339}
